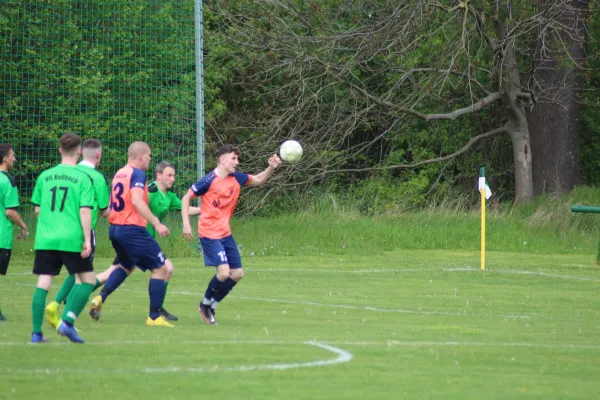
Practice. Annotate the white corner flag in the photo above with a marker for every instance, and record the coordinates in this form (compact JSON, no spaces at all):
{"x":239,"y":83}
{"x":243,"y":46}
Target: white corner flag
{"x":483,"y":184}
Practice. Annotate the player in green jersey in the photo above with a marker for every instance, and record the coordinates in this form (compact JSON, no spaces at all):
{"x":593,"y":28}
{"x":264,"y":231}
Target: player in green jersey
{"x":91,"y":156}
{"x":9,"y":202}
{"x":161,"y":200}
{"x":63,"y":197}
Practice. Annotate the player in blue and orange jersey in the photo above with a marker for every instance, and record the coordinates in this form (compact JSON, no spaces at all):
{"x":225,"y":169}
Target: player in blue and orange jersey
{"x":219,"y":192}
{"x":128,"y":219}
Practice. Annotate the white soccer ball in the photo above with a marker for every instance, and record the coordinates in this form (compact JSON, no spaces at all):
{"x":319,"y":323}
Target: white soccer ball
{"x":290,"y":151}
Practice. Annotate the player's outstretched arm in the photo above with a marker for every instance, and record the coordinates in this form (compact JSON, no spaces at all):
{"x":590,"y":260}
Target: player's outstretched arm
{"x":16,"y":219}
{"x":185,"y":214}
{"x":260,"y":179}
{"x":137,"y":199}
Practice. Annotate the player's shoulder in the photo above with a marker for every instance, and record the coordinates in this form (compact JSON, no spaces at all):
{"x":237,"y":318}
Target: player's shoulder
{"x":240,"y":177}
{"x":153,"y":188}
{"x":7,"y":178}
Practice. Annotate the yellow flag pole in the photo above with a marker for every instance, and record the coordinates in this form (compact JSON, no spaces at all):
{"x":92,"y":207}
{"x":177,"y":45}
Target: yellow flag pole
{"x":482,"y":190}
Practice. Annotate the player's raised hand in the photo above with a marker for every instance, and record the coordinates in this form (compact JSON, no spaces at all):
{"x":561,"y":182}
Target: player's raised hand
{"x":87,"y":249}
{"x":187,"y":231}
{"x":162,"y":230}
{"x":274,"y":161}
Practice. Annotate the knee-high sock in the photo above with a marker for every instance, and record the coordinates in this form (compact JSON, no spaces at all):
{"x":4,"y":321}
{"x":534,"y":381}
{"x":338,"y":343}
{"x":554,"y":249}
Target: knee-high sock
{"x":214,"y":286}
{"x":224,"y":291}
{"x":162,"y":302}
{"x":65,"y":289}
{"x":77,"y":302}
{"x":38,"y":304}
{"x":115,"y":279}
{"x":156,"y":290}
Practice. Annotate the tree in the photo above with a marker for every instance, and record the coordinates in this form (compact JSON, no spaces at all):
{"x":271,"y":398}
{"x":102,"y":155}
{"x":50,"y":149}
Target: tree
{"x":349,"y":77}
{"x":556,"y":80}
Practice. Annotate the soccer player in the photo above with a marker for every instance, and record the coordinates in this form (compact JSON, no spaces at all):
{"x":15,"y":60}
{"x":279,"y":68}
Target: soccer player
{"x":63,"y":197}
{"x":128,"y":219}
{"x":91,"y":154}
{"x":9,"y":202}
{"x":219,"y":192}
{"x":161,"y":200}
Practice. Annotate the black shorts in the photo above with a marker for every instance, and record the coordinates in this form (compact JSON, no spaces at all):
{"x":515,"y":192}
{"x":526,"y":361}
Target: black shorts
{"x":50,"y":262}
{"x":4,"y":260}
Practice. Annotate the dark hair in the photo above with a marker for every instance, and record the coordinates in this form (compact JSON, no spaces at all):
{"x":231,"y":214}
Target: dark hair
{"x":70,"y":142}
{"x":226,"y":149}
{"x":5,"y":149}
{"x":161,"y":166}
{"x":92,"y":144}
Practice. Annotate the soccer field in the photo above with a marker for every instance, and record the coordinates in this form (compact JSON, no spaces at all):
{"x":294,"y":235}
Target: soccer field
{"x":398,"y":325}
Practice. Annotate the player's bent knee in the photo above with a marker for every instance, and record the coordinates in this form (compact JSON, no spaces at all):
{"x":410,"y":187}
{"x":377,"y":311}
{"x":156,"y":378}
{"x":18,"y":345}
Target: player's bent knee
{"x":127,"y":271}
{"x":237,"y":274}
{"x":87,"y":277}
{"x":159,"y":273}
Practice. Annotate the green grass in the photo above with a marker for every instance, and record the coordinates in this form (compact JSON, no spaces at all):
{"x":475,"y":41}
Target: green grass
{"x":418,"y":324}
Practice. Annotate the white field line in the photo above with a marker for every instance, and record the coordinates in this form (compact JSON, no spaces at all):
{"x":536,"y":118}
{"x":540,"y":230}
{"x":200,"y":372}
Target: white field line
{"x":342,"y":306}
{"x":342,"y":357}
{"x":393,"y":270}
{"x":325,"y":344}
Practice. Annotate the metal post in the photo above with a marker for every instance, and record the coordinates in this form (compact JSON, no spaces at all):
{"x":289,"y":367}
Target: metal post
{"x":199,"y":87}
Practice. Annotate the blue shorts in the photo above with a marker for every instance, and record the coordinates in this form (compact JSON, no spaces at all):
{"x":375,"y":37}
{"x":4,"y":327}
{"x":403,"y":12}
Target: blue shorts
{"x":221,"y":251}
{"x":135,"y":247}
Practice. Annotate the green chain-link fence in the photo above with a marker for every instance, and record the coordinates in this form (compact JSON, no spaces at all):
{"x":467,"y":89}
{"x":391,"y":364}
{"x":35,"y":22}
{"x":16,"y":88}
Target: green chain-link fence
{"x":116,"y":70}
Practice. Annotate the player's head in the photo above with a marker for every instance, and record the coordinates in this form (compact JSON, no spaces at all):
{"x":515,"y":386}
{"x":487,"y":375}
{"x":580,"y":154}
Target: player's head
{"x":165,"y":174}
{"x":7,"y":156}
{"x":227,"y":157}
{"x":139,"y":155}
{"x":92,"y":150}
{"x":70,"y":145}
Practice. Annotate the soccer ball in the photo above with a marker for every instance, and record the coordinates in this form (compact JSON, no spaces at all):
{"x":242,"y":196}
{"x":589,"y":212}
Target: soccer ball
{"x":290,"y":151}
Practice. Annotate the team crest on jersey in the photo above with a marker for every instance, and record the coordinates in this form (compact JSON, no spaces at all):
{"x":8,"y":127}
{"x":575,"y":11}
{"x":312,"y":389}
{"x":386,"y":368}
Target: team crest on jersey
{"x":216,"y":203}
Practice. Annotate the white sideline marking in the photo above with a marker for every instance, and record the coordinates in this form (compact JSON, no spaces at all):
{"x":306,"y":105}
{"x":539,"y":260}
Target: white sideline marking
{"x":344,"y":306}
{"x":342,"y":357}
{"x":368,"y":308}
{"x":405,"y":270}
{"x":327,"y":345}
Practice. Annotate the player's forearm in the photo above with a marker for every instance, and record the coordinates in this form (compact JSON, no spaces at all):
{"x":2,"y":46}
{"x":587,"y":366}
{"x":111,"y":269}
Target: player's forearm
{"x":185,"y":209}
{"x":15,"y":218}
{"x":142,"y":208}
{"x":85,"y":215}
{"x":194,"y":211}
{"x":261,"y":178}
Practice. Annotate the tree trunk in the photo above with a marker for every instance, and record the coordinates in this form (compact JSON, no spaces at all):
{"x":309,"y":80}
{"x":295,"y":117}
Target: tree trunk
{"x":519,"y":135}
{"x":517,"y":126}
{"x":555,"y":141}
{"x":554,"y":121}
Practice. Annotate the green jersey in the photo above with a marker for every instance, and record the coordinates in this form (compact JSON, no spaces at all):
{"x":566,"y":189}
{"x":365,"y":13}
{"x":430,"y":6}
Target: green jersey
{"x":100,"y":189}
{"x":161,"y":203}
{"x":9,"y":198}
{"x":61,"y":192}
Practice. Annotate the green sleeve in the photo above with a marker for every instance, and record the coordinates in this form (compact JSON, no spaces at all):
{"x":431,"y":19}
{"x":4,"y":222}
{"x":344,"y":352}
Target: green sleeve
{"x":37,"y":192}
{"x":101,"y":193}
{"x":10,"y":197}
{"x":154,"y":203}
{"x":175,"y":202}
{"x":87,"y":195}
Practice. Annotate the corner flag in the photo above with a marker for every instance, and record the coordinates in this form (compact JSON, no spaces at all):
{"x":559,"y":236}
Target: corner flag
{"x":486,"y":193}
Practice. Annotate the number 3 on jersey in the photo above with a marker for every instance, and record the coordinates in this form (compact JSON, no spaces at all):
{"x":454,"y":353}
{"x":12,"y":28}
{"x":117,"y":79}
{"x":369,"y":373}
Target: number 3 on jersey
{"x":118,"y":203}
